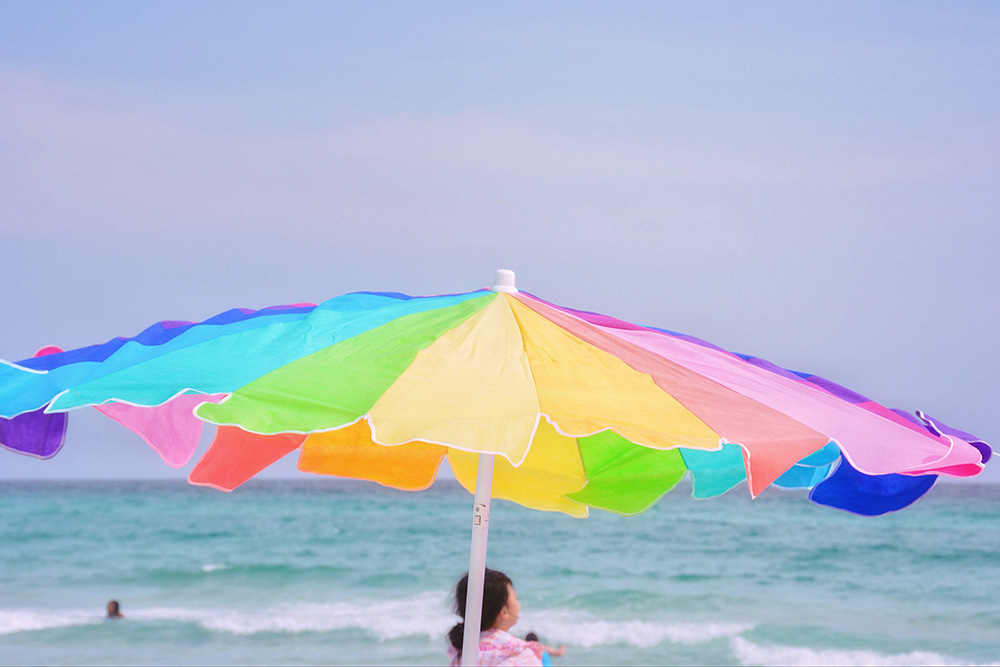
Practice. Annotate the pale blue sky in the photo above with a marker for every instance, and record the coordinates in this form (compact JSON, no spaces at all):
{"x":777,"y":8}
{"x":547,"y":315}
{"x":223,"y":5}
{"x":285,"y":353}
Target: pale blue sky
{"x":813,"y":183}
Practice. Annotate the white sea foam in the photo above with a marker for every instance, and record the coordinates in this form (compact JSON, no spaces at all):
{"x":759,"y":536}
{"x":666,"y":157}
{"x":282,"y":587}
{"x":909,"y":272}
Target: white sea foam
{"x":28,"y":620}
{"x":425,"y":614}
{"x":749,"y":653}
{"x":584,"y":630}
{"x":428,"y":615}
{"x":213,"y":567}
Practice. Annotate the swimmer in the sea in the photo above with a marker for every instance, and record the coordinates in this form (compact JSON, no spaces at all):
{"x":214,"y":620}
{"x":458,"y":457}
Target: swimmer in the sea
{"x":548,"y":651}
{"x":114,"y":610}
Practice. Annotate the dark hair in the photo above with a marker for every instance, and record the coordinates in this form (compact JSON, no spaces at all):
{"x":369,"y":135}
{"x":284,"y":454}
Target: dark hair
{"x":531,"y":637}
{"x":494,"y":600}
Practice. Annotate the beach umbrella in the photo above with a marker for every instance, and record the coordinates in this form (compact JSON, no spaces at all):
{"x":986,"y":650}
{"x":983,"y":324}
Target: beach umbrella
{"x":553,"y":408}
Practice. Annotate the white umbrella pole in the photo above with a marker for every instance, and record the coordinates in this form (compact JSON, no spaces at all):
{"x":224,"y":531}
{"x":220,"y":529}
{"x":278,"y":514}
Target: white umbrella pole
{"x":480,"y":528}
{"x":477,"y":561}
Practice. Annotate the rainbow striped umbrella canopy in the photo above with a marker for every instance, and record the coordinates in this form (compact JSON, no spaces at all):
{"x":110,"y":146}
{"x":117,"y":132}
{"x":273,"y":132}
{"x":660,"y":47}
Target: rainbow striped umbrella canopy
{"x":581,"y":410}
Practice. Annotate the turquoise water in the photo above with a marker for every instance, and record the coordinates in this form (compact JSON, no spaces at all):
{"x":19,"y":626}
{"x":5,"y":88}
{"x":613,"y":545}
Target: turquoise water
{"x":325,"y":571}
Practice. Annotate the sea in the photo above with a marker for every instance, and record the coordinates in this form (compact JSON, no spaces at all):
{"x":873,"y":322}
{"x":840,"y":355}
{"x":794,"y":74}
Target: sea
{"x":325,"y":571}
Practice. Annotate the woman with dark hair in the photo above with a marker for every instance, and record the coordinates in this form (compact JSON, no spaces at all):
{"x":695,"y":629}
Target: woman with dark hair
{"x":114,"y":610}
{"x":500,"y":612}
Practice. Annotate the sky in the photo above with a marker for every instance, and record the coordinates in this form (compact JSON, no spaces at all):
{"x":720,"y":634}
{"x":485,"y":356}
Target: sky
{"x":814,"y":183}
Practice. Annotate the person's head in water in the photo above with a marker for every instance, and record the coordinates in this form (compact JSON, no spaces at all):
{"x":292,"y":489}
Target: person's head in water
{"x":500,"y":605}
{"x":114,"y":610}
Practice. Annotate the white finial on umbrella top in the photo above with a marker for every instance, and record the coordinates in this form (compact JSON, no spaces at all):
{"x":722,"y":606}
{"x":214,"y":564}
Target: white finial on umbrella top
{"x":504,"y":282}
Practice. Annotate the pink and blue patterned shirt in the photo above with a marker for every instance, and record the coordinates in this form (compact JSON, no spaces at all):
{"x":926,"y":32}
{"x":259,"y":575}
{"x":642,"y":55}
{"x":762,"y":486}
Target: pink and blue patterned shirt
{"x":498,"y":648}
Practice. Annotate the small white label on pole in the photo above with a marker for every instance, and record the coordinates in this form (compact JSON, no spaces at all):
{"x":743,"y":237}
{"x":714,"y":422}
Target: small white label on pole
{"x":480,"y":514}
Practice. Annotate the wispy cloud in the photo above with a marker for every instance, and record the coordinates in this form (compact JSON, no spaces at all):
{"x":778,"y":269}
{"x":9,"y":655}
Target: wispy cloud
{"x":103,"y":156}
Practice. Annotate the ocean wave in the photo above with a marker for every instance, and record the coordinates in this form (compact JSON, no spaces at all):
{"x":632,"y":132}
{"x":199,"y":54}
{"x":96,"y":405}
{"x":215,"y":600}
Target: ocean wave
{"x":426,"y":614}
{"x":429,"y":615}
{"x":749,"y":653}
{"x":584,"y":630}
{"x":194,"y":574}
{"x":214,"y":567}
{"x":28,"y":620}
